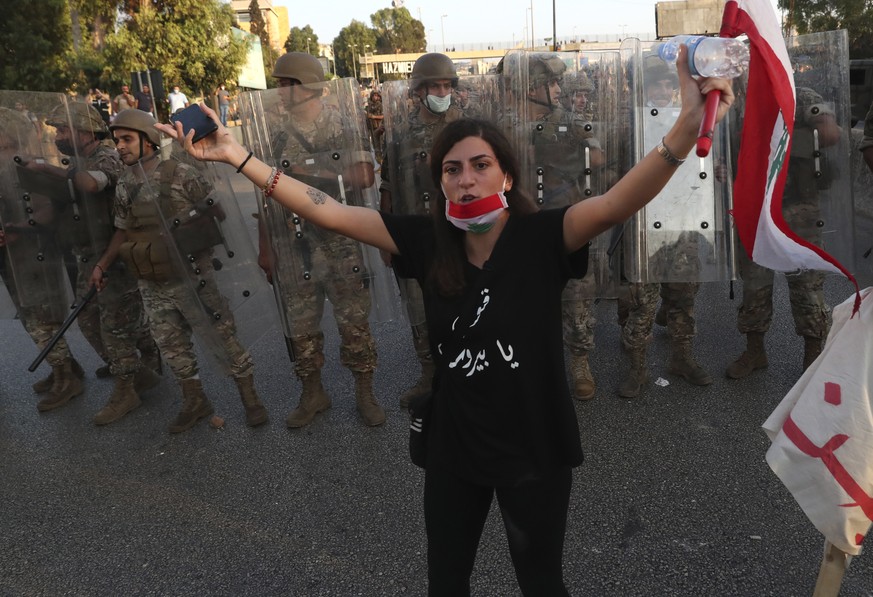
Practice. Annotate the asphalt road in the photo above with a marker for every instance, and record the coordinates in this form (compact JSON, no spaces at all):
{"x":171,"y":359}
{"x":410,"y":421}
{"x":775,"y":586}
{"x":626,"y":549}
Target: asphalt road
{"x":674,"y":497}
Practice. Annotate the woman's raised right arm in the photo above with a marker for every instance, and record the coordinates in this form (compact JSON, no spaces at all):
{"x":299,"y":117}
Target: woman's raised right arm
{"x":360,"y":223}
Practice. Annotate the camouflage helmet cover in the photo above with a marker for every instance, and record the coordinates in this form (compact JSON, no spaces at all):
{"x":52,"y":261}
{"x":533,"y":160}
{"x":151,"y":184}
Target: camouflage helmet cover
{"x":433,"y":67}
{"x":80,"y":116}
{"x":300,"y":66}
{"x":577,"y":82}
{"x":137,"y":120}
{"x":656,"y":69}
{"x":543,"y":68}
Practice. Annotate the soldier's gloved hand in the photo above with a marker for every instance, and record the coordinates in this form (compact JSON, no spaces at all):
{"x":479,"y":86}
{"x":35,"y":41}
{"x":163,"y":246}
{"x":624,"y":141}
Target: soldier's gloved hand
{"x":360,"y":175}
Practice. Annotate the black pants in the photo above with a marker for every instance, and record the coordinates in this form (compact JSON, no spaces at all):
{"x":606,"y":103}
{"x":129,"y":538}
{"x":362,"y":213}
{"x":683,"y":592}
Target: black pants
{"x":534,"y":515}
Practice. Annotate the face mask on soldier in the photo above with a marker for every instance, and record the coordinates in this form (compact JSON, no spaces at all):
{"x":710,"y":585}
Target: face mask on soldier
{"x":437,"y":104}
{"x":65,"y":147}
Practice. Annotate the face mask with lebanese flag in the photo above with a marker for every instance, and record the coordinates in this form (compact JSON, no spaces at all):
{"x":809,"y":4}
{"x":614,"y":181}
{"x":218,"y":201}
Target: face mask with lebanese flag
{"x":477,"y":216}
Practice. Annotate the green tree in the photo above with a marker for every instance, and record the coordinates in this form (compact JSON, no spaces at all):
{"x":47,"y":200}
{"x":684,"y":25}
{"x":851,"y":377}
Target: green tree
{"x":397,"y":32}
{"x":35,"y":45}
{"x":302,"y":40}
{"x":352,"y":41}
{"x":813,"y":16}
{"x":190,"y":41}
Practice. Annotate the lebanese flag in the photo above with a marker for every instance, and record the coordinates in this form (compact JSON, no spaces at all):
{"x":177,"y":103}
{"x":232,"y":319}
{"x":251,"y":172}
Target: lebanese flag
{"x":822,"y":432}
{"x":768,"y":126}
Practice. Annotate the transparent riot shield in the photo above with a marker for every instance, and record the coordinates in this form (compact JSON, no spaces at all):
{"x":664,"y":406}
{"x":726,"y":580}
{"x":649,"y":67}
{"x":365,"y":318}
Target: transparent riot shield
{"x":684,"y":234}
{"x":862,"y":194}
{"x":33,"y":265}
{"x":317,"y":134}
{"x":563,"y":117}
{"x":186,"y":238}
{"x":817,"y":200}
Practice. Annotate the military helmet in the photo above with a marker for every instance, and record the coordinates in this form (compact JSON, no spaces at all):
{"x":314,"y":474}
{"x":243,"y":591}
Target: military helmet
{"x":655,"y":69}
{"x":433,"y":67}
{"x":576,"y":82}
{"x":543,"y":68}
{"x":80,"y":116}
{"x":300,"y":66}
{"x":137,"y":120}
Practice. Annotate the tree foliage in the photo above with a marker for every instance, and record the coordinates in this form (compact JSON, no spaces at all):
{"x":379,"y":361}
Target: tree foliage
{"x":35,"y":45}
{"x":302,"y":40}
{"x":813,"y":16}
{"x":352,"y":41}
{"x":189,"y":41}
{"x":258,"y":26}
{"x":397,"y":32}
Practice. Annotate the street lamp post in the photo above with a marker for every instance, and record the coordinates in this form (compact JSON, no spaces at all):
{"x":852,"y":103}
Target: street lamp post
{"x":532,"y":36}
{"x":443,"y":29}
{"x":307,"y":45}
{"x":354,"y":57}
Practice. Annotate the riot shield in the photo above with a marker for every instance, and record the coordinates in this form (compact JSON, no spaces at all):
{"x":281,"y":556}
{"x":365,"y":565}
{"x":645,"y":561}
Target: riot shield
{"x":817,"y":201}
{"x":564,"y":120}
{"x":33,"y":268}
{"x":319,"y":138}
{"x":187,"y":239}
{"x":410,"y":131}
{"x":684,"y":234}
{"x":862,"y":193}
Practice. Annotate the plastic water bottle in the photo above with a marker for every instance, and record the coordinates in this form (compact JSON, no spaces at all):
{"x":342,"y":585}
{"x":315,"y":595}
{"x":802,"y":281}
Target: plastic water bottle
{"x":723,"y":57}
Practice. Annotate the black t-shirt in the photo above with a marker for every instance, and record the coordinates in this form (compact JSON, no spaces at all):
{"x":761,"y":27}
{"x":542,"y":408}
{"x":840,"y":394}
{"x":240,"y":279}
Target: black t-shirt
{"x":502,"y":409}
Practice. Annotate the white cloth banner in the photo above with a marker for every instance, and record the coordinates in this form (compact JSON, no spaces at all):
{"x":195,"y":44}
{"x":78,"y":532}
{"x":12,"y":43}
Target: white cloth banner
{"x":822,"y":432}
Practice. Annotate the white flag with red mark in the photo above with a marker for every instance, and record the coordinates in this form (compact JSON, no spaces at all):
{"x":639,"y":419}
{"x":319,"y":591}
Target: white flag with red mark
{"x":822,"y":431}
{"x":768,"y":126}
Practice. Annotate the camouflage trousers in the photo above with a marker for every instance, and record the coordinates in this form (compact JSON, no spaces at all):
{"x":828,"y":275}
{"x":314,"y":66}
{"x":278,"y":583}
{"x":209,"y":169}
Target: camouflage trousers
{"x":812,"y":316}
{"x":577,"y":311}
{"x":350,"y":297}
{"x":637,"y":304}
{"x":113,"y":322}
{"x":173,"y":307}
{"x":41,"y":324}
{"x":413,"y":300}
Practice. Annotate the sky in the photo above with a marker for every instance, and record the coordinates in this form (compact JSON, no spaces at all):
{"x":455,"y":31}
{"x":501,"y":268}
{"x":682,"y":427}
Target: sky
{"x":486,"y":21}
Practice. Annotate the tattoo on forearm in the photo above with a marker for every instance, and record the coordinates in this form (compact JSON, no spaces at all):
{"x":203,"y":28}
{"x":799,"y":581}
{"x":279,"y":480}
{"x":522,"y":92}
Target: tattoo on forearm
{"x":317,"y":196}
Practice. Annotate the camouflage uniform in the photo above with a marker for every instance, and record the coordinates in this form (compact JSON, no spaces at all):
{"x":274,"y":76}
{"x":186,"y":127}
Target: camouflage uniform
{"x":559,"y":142}
{"x":169,"y":304}
{"x":812,"y":317}
{"x":374,"y":108}
{"x":324,"y":264}
{"x":416,"y":133}
{"x":113,"y":323}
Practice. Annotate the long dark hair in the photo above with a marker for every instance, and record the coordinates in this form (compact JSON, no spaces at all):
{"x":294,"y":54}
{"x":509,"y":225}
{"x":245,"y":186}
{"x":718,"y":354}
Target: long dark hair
{"x":447,"y":273}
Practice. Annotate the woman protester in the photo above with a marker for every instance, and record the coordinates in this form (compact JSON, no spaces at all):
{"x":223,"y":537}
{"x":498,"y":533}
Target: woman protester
{"x":492,"y":268}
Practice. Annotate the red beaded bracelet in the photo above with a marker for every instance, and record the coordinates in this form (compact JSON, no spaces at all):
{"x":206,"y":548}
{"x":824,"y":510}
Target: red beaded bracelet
{"x":269,"y":191}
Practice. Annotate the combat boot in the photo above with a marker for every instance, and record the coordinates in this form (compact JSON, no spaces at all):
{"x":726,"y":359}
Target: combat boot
{"x":812,"y":347}
{"x":684,"y":365}
{"x":195,"y":406}
{"x":256,"y":414}
{"x":123,"y":399}
{"x":313,"y":400}
{"x":422,"y":386}
{"x":66,"y":386}
{"x":583,"y":381}
{"x":45,"y":384}
{"x":103,"y":372}
{"x":636,"y":377}
{"x":368,"y":408}
{"x":753,"y":358}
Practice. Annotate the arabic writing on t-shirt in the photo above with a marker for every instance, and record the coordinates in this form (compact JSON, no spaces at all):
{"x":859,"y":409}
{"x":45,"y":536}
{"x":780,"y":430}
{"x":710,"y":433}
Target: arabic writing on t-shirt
{"x":472,"y":363}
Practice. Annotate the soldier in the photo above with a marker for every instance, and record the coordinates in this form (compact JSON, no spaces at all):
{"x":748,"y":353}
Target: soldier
{"x":564,"y":148}
{"x":432,"y":81}
{"x":374,"y":122}
{"x":333,"y":264}
{"x":815,"y":127}
{"x":32,"y":263}
{"x":678,"y":260}
{"x":179,"y":190}
{"x":113,"y":324}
